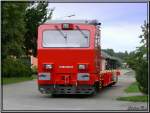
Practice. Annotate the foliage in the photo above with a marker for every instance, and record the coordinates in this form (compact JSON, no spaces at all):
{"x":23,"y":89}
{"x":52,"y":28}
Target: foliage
{"x":142,"y":76}
{"x":142,"y":58}
{"x":20,"y":21}
{"x":109,"y":51}
{"x":143,"y":98}
{"x":131,"y":60}
{"x":138,"y":60}
{"x":13,"y":67}
{"x":34,"y":69}
{"x":36,"y":14}
{"x":13,"y":28}
{"x":133,"y":88}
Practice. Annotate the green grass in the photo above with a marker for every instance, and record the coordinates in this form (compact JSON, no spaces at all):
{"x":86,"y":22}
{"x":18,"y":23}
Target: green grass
{"x":15,"y":80}
{"x":143,"y":98}
{"x":133,"y":88}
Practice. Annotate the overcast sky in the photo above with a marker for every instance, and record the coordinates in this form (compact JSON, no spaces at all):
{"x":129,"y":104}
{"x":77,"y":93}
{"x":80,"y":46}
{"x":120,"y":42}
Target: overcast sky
{"x":120,"y":21}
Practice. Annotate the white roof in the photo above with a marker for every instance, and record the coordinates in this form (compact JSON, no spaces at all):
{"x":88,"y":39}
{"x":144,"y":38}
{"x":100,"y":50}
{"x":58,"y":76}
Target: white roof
{"x":94,"y":22}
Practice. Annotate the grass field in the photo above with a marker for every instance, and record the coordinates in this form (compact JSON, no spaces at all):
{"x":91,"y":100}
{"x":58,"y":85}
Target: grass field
{"x":133,"y":88}
{"x":15,"y":80}
{"x":143,"y":98}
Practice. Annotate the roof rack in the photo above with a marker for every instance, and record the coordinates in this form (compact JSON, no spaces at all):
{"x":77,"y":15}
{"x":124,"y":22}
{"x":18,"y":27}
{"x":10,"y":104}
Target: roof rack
{"x":92,"y":22}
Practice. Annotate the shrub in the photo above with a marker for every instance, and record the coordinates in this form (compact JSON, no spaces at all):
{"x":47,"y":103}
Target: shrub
{"x":12,"y":67}
{"x":34,"y":70}
{"x":142,"y":76}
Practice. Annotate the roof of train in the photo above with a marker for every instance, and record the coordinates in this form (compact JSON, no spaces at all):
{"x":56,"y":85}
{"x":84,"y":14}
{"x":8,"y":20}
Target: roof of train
{"x":93,"y":22}
{"x":107,"y":56}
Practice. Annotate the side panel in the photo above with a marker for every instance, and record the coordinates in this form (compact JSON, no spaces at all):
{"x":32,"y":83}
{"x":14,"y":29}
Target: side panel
{"x":109,"y":77}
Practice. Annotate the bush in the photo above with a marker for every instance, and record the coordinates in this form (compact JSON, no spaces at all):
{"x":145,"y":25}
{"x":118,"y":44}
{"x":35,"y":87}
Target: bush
{"x":12,"y":67}
{"x":34,"y":70}
{"x":142,"y":76}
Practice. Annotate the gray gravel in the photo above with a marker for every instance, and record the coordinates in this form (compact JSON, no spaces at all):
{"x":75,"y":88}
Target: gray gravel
{"x":25,"y":96}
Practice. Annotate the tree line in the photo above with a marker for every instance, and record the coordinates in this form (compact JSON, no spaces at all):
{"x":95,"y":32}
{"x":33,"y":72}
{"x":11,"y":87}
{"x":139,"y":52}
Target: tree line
{"x":20,"y":21}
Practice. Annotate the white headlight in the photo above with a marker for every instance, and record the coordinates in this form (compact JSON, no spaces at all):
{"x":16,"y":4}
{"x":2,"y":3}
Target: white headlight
{"x":48,"y":66}
{"x":82,"y":66}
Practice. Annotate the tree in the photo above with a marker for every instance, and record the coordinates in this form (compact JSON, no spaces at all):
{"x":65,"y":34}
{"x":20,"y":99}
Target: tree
{"x":36,"y":14}
{"x":13,"y":28}
{"x":144,"y":36}
{"x":138,"y":60}
{"x":109,"y":51}
{"x":131,"y":60}
{"x":142,"y":61}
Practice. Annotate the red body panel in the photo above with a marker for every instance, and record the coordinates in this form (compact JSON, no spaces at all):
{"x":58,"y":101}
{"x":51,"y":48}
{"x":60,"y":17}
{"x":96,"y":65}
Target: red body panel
{"x":107,"y":78}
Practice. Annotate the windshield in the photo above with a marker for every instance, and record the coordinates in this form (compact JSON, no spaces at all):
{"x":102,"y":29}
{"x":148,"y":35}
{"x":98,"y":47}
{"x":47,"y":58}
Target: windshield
{"x":66,"y":38}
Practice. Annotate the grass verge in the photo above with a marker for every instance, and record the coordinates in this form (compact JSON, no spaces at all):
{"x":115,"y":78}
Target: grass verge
{"x":15,"y":80}
{"x":143,"y":98}
{"x":133,"y":88}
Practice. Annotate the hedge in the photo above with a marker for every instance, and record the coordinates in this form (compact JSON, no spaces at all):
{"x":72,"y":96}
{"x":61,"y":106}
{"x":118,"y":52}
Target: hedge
{"x":12,"y":67}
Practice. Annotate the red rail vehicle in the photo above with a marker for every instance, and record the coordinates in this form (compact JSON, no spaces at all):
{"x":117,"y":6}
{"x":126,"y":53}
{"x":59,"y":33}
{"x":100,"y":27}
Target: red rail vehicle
{"x":70,"y":60}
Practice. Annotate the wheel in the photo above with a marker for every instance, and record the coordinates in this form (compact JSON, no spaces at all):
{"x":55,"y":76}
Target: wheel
{"x":97,"y":86}
{"x":55,"y":95}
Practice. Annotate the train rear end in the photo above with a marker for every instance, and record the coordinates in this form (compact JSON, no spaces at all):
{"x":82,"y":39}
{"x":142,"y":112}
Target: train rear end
{"x":68,"y":62}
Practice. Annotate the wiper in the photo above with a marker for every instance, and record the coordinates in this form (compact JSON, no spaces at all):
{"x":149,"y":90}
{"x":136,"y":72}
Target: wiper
{"x":65,"y":36}
{"x":85,"y":36}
